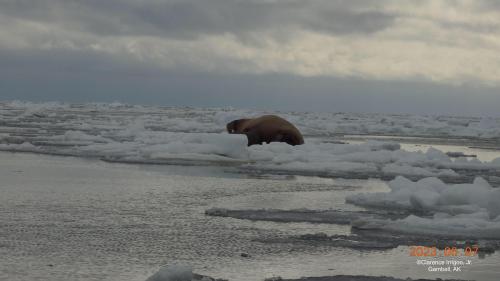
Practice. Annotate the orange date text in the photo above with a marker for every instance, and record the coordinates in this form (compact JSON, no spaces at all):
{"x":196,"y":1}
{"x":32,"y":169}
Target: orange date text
{"x":432,"y":251}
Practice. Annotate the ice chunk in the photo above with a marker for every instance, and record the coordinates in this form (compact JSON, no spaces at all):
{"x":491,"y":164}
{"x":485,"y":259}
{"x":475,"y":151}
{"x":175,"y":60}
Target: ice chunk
{"x":173,"y":273}
{"x":455,"y":209}
{"x":431,"y":194}
{"x":475,"y":225}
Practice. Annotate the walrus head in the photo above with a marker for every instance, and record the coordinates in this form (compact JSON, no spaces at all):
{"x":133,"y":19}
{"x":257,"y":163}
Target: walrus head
{"x":231,"y":126}
{"x":234,"y":127}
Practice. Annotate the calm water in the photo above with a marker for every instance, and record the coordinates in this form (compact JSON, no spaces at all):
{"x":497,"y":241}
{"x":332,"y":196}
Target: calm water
{"x":64,"y":218}
{"x":481,"y":151}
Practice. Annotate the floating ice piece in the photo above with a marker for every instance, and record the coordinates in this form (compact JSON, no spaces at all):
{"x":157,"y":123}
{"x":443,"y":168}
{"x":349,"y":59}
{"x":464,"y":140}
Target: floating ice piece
{"x":173,"y":273}
{"x":455,"y":210}
{"x":462,"y":226}
{"x":179,"y":273}
{"x":299,"y":215}
{"x":433,"y":195}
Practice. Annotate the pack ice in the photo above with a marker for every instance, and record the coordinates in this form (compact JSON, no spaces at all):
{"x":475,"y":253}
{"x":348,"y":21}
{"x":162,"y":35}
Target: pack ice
{"x":180,"y":135}
{"x":450,"y":210}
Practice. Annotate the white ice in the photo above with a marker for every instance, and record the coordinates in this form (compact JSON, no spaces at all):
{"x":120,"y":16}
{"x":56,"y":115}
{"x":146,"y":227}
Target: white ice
{"x":310,"y":123}
{"x":149,"y":134}
{"x":468,"y":210}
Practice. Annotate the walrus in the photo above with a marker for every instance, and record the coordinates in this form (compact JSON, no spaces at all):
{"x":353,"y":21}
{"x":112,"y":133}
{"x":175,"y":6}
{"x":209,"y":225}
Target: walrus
{"x":266,"y":128}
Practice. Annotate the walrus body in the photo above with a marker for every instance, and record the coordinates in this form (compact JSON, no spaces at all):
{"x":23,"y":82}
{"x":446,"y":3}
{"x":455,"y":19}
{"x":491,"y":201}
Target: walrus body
{"x":267,"y":128}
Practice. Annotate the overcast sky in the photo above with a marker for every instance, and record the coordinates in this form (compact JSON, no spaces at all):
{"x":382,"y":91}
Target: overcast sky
{"x":326,"y":55}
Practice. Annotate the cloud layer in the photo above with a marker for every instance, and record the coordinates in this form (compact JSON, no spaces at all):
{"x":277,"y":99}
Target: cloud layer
{"x":448,"y":42}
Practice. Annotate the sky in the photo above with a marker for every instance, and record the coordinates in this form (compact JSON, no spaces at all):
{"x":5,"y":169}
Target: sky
{"x":396,"y":56}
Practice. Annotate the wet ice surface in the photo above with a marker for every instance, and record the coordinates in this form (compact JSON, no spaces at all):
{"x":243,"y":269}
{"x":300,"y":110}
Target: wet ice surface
{"x":298,"y":215}
{"x":69,"y":218}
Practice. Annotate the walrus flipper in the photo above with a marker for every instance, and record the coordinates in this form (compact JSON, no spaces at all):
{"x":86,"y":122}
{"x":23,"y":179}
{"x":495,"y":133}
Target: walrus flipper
{"x":253,"y":137}
{"x":292,"y":139}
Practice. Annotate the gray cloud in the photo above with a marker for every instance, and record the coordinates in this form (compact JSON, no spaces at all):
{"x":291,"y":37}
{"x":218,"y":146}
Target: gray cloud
{"x":383,"y":55}
{"x":190,"y":18}
{"x":86,"y":77}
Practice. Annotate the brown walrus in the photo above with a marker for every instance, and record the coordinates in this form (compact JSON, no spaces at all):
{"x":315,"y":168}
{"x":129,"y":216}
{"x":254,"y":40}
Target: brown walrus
{"x":266,"y":128}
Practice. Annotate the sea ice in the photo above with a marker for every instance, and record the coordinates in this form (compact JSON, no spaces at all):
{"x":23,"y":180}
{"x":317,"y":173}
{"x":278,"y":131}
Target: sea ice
{"x":453,"y":210}
{"x":298,"y":215}
{"x":179,"y":273}
{"x":173,"y":273}
{"x":177,"y":135}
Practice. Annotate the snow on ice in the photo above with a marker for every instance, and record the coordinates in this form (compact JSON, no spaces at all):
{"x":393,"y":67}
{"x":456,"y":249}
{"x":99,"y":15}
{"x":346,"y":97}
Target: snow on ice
{"x":452,"y":210}
{"x":168,"y":135}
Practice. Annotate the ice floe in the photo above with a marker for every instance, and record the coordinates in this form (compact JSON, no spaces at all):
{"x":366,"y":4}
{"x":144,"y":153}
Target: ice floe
{"x":427,"y":210}
{"x":196,"y":136}
{"x":173,"y":273}
{"x":190,"y":119}
{"x":299,"y":215}
{"x":452,"y":210}
{"x":179,"y":273}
